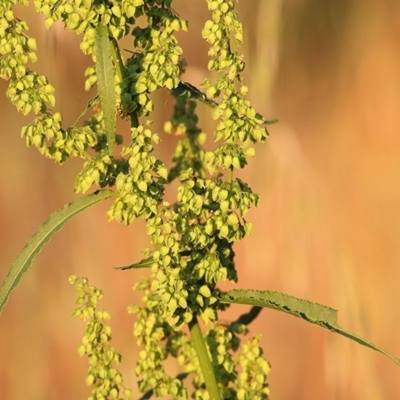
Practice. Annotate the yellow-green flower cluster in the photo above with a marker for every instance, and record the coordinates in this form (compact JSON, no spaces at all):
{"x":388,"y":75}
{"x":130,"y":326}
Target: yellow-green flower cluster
{"x":152,"y":333}
{"x":27,"y":90}
{"x":251,"y":381}
{"x":193,"y":239}
{"x":155,"y":63}
{"x":239,"y":124}
{"x":30,"y":92}
{"x":188,"y":152}
{"x":221,"y":343}
{"x":242,"y":376}
{"x":82,"y":16}
{"x":141,"y":188}
{"x":16,"y":48}
{"x":94,"y":171}
{"x":218,"y":205}
{"x":188,"y":262}
{"x":52,"y":141}
{"x":218,"y":32}
{"x":240,"y":370}
{"x":102,"y":374}
{"x":209,"y":215}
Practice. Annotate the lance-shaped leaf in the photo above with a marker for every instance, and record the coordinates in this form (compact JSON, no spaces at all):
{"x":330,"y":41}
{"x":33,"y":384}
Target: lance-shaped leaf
{"x":91,"y":102}
{"x":146,"y":263}
{"x":311,"y":312}
{"x":43,"y":235}
{"x":105,"y":82}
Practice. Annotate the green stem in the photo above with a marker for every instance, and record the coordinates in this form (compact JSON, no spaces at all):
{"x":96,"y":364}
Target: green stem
{"x":204,"y":359}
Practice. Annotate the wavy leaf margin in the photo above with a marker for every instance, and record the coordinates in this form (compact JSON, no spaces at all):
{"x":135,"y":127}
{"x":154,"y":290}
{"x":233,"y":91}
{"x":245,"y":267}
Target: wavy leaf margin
{"x":55,"y":222}
{"x":309,"y":311}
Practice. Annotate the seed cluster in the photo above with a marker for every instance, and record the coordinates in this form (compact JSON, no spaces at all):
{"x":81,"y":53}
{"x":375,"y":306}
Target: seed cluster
{"x":102,"y":374}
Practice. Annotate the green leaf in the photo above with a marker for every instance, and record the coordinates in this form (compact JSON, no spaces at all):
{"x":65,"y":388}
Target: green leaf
{"x":146,"y":263}
{"x":43,"y":235}
{"x":307,"y":310}
{"x":92,"y":101}
{"x":105,"y":82}
{"x":271,"y":121}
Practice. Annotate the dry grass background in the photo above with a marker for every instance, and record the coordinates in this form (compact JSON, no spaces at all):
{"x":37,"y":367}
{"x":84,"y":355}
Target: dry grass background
{"x":327,"y":229}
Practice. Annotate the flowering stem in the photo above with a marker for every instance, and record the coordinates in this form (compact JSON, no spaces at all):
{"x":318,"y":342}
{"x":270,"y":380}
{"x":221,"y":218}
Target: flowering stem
{"x":204,"y":360}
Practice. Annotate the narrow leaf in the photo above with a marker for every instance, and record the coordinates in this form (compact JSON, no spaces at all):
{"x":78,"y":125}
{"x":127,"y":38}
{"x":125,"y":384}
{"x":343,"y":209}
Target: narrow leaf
{"x":271,"y":121}
{"x":312,"y":312}
{"x":92,"y":101}
{"x":146,"y":263}
{"x":43,"y":235}
{"x":105,"y":82}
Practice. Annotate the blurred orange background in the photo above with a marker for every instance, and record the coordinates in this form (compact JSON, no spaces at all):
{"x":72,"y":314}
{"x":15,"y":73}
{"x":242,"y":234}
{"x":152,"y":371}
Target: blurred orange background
{"x":327,"y":228}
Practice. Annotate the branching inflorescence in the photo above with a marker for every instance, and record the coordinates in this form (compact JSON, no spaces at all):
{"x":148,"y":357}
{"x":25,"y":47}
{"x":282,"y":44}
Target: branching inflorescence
{"x":193,"y":238}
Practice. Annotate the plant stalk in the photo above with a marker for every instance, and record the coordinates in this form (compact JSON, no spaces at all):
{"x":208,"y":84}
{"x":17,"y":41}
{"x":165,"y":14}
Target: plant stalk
{"x":204,"y":359}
